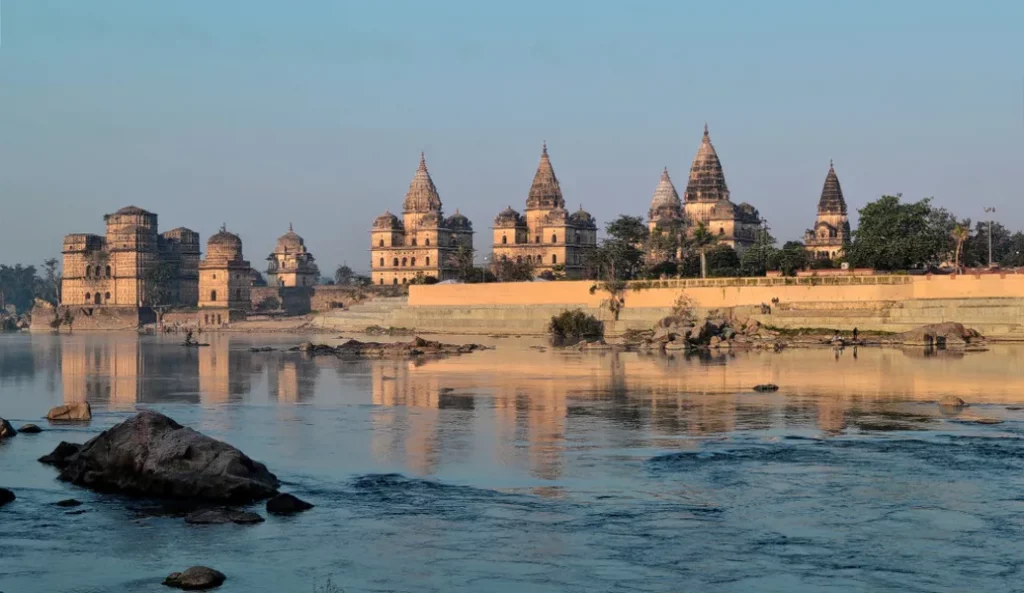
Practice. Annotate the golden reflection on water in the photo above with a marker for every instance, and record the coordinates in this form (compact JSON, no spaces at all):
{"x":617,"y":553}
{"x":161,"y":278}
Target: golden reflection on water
{"x":530,"y":402}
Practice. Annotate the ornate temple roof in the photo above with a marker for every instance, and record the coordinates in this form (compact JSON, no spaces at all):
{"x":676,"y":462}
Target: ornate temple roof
{"x":545,"y":193}
{"x":422,"y":195}
{"x":831,"y":201}
{"x":707,"y":179}
{"x":509,"y":218}
{"x":290,"y":242}
{"x":387,"y":221}
{"x":582,"y":219}
{"x":665,"y":203}
{"x":458,"y":221}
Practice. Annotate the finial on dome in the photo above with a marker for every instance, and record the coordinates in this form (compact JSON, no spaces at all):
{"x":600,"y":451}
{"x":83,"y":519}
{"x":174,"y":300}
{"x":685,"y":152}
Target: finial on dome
{"x":457,"y":212}
{"x":705,"y":128}
{"x":223,"y":227}
{"x":423,"y":160}
{"x":830,"y":166}
{"x":544,"y":149}
{"x":290,"y":227}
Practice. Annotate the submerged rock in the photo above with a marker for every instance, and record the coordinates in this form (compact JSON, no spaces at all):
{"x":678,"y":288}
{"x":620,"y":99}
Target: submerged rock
{"x":152,"y":455}
{"x":415,"y":348}
{"x":6,"y":430}
{"x":30,"y":429}
{"x":76,"y":412}
{"x":71,"y":502}
{"x":952,"y":401}
{"x":766,"y":387}
{"x":6,"y":496}
{"x":220,"y":516}
{"x":195,"y":579}
{"x":287,"y":504}
{"x":59,"y":457}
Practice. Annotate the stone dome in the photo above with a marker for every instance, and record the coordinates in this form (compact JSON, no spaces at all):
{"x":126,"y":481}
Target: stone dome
{"x":582,"y":219}
{"x":508,"y":217}
{"x":387,"y":221}
{"x":290,"y":242}
{"x":458,"y":221}
{"x":224,"y":246}
{"x":665,"y":205}
{"x":132,"y":211}
{"x":422,"y":195}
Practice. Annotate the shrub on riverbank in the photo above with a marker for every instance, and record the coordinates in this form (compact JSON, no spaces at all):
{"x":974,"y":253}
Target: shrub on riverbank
{"x":573,"y":326}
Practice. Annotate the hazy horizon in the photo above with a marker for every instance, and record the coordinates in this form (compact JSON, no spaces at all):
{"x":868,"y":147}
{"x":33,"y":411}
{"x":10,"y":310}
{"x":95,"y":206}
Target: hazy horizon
{"x":260,"y":114}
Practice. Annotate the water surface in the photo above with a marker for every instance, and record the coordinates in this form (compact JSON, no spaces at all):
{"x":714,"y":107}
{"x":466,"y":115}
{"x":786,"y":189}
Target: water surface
{"x":522,"y":469}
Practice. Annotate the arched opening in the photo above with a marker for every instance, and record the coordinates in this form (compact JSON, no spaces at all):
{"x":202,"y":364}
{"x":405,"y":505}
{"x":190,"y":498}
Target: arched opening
{"x":428,"y":241}
{"x":412,"y":262}
{"x":238,"y":294}
{"x":519,"y":259}
{"x":405,"y":261}
{"x":88,"y":271}
{"x":88,"y":297}
{"x":554,"y":238}
{"x":395,"y":281}
{"x":721,"y":231}
{"x":395,"y":262}
{"x":414,"y":241}
{"x":213,"y":295}
{"x":577,"y":237}
{"x":219,"y":319}
{"x":405,"y":280}
{"x":206,"y":319}
{"x":382,"y":282}
{"x":97,"y":299}
{"x":382,"y":262}
{"x":504,"y":240}
{"x":554,"y":258}
{"x":108,"y":271}
{"x":536,"y":239}
{"x":428,"y":260}
{"x":106,"y":297}
{"x":381,"y":243}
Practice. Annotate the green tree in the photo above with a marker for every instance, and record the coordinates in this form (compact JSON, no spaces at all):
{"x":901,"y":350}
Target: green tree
{"x":49,"y":284}
{"x":894,"y":235}
{"x":960,"y":233}
{"x":343,"y":275}
{"x":160,"y":282}
{"x":755,"y":259}
{"x":699,"y":243}
{"x":620,"y":256}
{"x":507,"y":270}
{"x":975,"y":251}
{"x":722,"y":262}
{"x":462,"y":261}
{"x":18,"y":286}
{"x":790,"y":259}
{"x":1014,"y":257}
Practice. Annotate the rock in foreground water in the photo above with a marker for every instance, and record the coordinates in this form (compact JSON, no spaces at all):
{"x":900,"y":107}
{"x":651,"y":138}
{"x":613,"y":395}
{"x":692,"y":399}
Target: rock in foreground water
{"x":152,"y":455}
{"x":77,"y":412}
{"x":30,"y":429}
{"x":766,"y":387}
{"x":220,"y":516}
{"x":6,"y":496}
{"x":6,"y":430}
{"x":60,"y":456}
{"x":952,"y":401}
{"x":196,"y":578}
{"x":416,"y":348}
{"x":287,"y":504}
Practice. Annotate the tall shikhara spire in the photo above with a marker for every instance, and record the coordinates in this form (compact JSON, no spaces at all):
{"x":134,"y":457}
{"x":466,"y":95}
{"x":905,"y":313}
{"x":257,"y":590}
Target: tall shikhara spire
{"x":666,"y":198}
{"x":545,"y":194}
{"x":831,"y":201}
{"x":707,"y":180}
{"x":422,"y":195}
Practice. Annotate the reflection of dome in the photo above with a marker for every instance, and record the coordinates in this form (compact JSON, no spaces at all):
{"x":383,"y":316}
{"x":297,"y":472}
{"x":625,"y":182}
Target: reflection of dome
{"x":290,"y":242}
{"x":387,"y":221}
{"x":508,"y":217}
{"x":581,"y":218}
{"x":458,"y":221}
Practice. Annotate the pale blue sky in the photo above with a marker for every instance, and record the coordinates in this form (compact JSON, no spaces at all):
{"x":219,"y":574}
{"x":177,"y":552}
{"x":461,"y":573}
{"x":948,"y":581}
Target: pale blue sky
{"x":261,"y":113}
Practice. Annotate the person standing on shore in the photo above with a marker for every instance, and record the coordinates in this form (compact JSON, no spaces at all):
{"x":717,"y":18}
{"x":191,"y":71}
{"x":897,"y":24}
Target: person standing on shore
{"x":854,"y":334}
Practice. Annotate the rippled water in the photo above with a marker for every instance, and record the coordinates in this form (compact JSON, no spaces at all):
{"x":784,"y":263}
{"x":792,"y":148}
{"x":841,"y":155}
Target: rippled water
{"x":528,"y":470}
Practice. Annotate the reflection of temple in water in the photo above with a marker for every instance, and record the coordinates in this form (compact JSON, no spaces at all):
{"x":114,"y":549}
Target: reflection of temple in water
{"x":292,"y":379}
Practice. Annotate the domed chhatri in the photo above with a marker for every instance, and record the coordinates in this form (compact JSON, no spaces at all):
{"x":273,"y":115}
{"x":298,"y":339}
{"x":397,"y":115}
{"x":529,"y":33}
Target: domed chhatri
{"x":104,"y":270}
{"x":831,"y":231}
{"x":291,"y":264}
{"x":665,"y":205}
{"x":224,"y":280}
{"x":420,"y":244}
{"x":548,"y":237}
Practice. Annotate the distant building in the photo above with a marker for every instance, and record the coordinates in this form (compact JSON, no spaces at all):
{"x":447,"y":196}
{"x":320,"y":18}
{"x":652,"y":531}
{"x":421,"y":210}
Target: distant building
{"x":224,"y":280}
{"x":831,"y":232}
{"x":548,"y":236}
{"x":420,"y":244}
{"x":111,"y":270}
{"x":291,"y":264}
{"x":665,"y":220}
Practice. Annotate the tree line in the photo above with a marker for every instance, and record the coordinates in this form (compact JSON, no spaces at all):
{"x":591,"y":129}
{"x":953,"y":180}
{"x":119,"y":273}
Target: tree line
{"x":20,"y":285}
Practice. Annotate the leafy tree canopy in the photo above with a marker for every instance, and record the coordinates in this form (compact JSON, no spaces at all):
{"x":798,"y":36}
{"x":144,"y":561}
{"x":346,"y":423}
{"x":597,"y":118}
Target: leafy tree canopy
{"x":896,"y":235}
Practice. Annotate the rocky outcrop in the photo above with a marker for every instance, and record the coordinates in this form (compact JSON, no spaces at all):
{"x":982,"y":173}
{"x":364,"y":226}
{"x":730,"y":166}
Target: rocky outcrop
{"x":221,"y":516}
{"x":30,"y":429}
{"x":679,"y":333}
{"x":6,"y":430}
{"x":940,"y":335}
{"x":68,"y":503}
{"x":952,"y":401}
{"x":6,"y":496}
{"x":287,"y":504}
{"x":152,"y":455}
{"x":76,"y":412}
{"x":197,"y":578}
{"x":418,"y":347}
{"x":59,"y":457}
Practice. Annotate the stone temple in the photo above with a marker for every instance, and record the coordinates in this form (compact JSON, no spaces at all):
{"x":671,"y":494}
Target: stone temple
{"x":423,"y":243}
{"x":706,"y":202}
{"x":548,"y":235}
{"x":113,"y":270}
{"x":291,"y":264}
{"x":224,"y":280}
{"x":831,"y":231}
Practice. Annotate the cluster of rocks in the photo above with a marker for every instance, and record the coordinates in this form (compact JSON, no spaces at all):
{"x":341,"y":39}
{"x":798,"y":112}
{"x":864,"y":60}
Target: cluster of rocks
{"x":941,"y":335}
{"x":418,"y":347}
{"x":675,"y":333}
{"x":10,"y":321}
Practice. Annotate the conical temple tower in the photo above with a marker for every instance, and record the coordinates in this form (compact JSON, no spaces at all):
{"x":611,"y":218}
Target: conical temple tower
{"x":665,"y":205}
{"x":545,"y":193}
{"x":831,"y":230}
{"x":707,"y":179}
{"x":422,"y":196}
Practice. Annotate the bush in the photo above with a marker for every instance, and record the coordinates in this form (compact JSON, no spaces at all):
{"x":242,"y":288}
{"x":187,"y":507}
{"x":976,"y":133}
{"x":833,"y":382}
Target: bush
{"x":269,"y":304}
{"x":573,"y":326}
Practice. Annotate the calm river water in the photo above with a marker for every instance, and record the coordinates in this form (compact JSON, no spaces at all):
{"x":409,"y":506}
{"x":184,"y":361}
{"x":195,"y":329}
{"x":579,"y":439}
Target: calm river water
{"x":519,"y":470}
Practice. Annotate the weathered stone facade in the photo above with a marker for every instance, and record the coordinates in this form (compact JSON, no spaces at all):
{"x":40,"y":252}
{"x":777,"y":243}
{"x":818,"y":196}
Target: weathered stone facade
{"x":112,"y":270}
{"x":224,"y":280}
{"x":707,"y":201}
{"x":291,"y":264}
{"x":831,"y":232}
{"x":548,"y":236}
{"x":422,"y":244}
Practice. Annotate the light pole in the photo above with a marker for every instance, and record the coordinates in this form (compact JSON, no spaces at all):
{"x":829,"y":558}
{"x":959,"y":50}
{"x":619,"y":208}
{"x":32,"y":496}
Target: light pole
{"x":989,"y":211}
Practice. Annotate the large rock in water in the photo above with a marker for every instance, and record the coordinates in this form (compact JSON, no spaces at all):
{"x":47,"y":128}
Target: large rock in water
{"x":6,"y":430}
{"x":6,"y":496}
{"x":197,"y":578}
{"x":152,"y":455}
{"x":948,"y":334}
{"x":77,"y":412}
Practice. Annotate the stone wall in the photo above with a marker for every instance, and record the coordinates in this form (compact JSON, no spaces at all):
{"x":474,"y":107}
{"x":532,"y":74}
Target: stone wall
{"x":95,"y":318}
{"x":302,"y":300}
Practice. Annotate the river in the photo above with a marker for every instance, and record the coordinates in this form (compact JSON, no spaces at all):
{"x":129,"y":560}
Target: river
{"x":523,"y":469}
